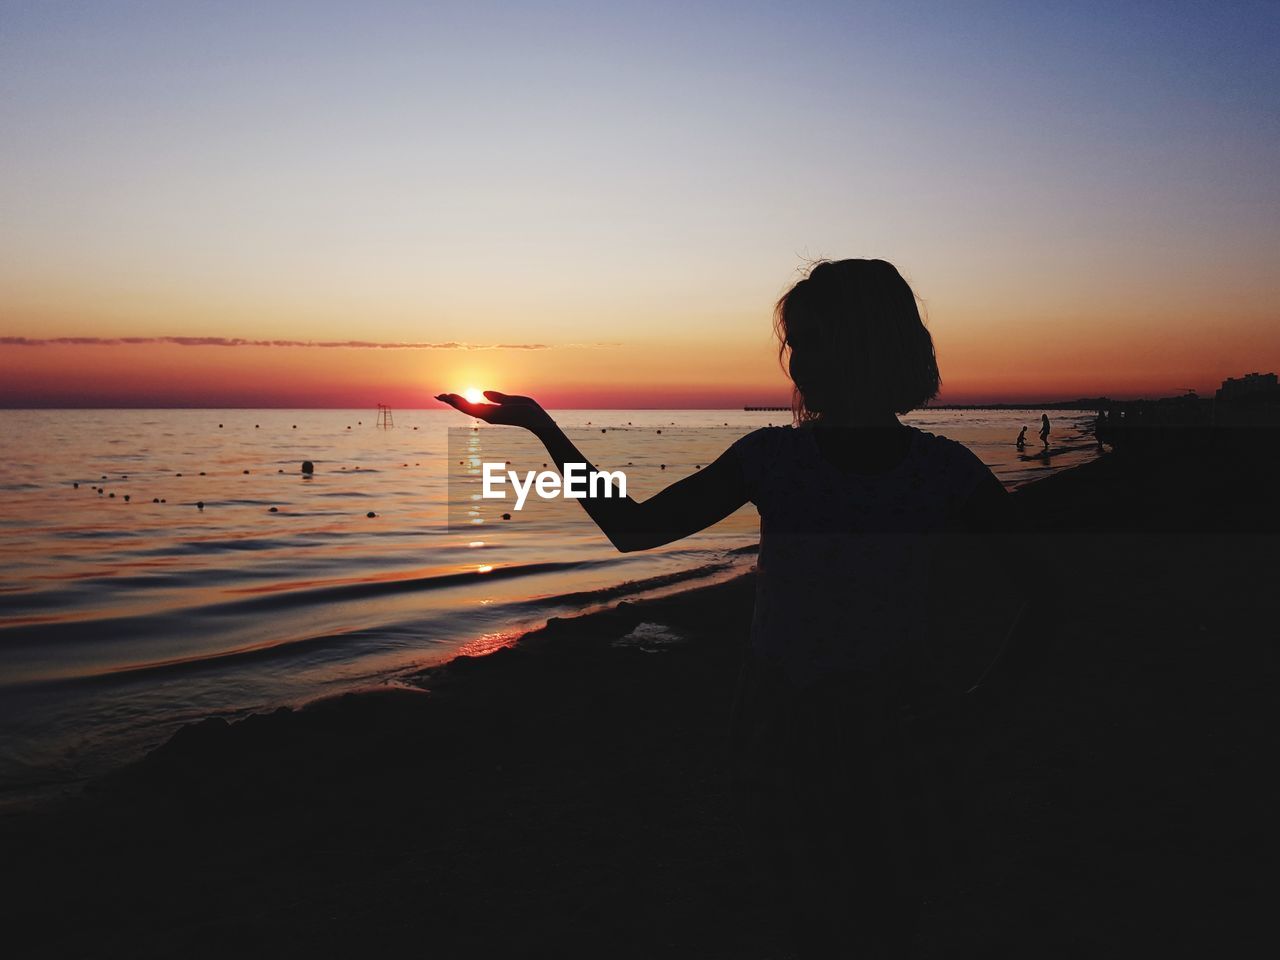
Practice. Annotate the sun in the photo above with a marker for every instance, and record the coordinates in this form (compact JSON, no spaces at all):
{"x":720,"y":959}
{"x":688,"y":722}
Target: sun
{"x":473,"y":395}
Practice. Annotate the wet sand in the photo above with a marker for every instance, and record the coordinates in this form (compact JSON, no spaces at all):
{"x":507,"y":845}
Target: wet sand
{"x":568,"y":796}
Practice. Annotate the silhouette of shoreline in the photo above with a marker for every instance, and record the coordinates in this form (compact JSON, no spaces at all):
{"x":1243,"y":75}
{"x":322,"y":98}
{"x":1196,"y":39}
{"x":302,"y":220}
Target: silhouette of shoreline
{"x":1080,"y":403}
{"x":569,"y":792}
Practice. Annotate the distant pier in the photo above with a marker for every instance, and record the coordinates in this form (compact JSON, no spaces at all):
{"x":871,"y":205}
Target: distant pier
{"x":769,"y":409}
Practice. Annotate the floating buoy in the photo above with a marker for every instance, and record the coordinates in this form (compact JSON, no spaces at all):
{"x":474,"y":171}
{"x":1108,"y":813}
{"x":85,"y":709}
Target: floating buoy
{"x":202,"y":473}
{"x":177,"y":474}
{"x":370,"y":514}
{"x":246,"y":471}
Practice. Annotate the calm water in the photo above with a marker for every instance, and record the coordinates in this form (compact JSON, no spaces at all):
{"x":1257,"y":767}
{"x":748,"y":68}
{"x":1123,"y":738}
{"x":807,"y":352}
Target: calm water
{"x":121,"y":620}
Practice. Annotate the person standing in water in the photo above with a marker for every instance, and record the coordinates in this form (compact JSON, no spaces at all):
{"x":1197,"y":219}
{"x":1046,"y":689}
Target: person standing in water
{"x":1044,"y":430}
{"x":1022,"y":438}
{"x":850,"y":503}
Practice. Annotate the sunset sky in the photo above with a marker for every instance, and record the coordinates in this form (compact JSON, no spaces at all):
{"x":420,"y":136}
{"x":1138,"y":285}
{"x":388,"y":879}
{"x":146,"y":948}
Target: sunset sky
{"x":598,"y":203}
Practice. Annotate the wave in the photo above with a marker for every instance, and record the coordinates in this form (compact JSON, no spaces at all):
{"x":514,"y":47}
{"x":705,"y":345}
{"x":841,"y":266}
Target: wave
{"x":629,"y":587}
{"x":380,"y":588}
{"x":133,"y":628}
{"x":414,"y":630}
{"x":99,"y":534}
{"x":226,"y":546}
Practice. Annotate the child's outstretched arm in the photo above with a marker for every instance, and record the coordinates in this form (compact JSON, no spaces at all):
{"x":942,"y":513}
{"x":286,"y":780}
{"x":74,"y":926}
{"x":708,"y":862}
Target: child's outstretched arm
{"x":685,"y":507}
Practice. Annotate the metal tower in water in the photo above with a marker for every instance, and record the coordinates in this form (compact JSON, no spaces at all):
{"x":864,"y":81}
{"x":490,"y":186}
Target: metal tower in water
{"x":385,"y":420}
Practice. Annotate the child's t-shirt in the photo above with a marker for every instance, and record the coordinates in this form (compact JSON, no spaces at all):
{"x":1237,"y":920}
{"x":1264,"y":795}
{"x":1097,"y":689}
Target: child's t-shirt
{"x":842,"y":575}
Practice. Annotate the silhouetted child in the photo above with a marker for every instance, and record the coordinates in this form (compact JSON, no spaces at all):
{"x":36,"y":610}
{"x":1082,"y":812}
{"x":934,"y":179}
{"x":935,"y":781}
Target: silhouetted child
{"x":849,"y":499}
{"x":1022,"y":438}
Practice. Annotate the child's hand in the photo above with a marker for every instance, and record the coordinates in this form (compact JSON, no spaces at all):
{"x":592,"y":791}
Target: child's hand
{"x":501,"y":409}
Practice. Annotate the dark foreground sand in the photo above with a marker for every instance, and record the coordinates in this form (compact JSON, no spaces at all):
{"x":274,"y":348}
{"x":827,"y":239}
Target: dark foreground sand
{"x":568,"y":797}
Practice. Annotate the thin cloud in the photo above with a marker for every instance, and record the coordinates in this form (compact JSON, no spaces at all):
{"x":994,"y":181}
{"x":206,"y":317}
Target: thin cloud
{"x":242,"y":342}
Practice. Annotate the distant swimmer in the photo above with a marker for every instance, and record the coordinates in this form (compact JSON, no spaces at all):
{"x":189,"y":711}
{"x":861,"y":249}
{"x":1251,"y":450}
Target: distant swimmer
{"x":1022,"y":438}
{"x":1044,"y":430}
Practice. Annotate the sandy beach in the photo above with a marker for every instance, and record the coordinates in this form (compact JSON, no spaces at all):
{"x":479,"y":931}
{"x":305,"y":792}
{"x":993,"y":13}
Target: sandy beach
{"x":569,"y":795}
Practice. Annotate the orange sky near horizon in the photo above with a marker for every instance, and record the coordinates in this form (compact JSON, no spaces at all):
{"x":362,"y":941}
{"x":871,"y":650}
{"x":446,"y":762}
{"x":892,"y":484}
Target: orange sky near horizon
{"x":1010,"y":363}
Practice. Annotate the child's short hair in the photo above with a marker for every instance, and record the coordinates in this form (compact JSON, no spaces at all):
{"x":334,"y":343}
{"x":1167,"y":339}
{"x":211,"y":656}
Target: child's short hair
{"x":855,"y":328}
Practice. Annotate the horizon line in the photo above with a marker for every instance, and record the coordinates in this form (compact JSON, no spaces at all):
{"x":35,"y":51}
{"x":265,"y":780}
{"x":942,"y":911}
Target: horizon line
{"x":1085,"y":403}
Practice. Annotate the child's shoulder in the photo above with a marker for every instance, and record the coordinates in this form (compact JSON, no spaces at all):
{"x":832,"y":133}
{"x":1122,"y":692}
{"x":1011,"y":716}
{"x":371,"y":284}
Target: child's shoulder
{"x":763,"y":452}
{"x":952,"y":458}
{"x":766,"y":438}
{"x":942,"y":446}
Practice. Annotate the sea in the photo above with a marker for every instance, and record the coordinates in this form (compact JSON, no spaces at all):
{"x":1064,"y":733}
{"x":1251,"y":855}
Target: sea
{"x":161,"y":566}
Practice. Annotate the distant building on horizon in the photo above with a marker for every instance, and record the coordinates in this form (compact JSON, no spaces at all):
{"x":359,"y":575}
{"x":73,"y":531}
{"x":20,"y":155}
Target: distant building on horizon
{"x":1251,"y":386}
